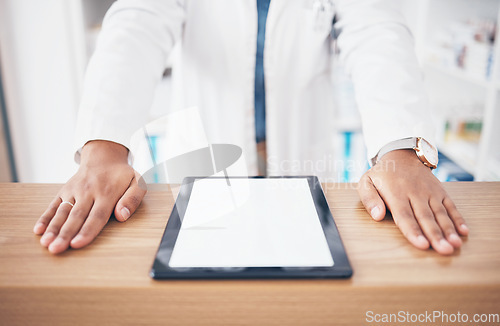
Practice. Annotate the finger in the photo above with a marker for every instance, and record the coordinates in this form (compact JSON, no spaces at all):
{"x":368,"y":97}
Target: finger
{"x":371,"y":199}
{"x":405,"y":220}
{"x":44,"y":220}
{"x":130,"y":200}
{"x":445,"y":222}
{"x":97,"y":219}
{"x":430,"y":227}
{"x":55,"y":224}
{"x":71,"y":226}
{"x":456,"y":217}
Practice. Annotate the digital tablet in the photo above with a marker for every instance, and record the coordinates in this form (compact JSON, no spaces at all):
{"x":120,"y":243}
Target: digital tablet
{"x":251,"y":228}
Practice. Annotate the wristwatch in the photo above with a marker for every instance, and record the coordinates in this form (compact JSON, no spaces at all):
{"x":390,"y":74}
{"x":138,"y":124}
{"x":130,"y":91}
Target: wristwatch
{"x":427,"y":153}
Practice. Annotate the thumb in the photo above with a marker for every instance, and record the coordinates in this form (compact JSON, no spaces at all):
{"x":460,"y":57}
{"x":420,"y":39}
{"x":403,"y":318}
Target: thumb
{"x":370,"y":198}
{"x":131,"y":199}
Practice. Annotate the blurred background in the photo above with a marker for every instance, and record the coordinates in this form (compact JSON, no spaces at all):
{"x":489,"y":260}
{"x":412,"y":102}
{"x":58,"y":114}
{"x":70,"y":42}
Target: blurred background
{"x":45,"y":46}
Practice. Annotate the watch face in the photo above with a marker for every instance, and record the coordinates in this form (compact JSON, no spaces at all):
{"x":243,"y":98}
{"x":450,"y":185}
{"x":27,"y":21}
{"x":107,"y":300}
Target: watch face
{"x":429,"y":151}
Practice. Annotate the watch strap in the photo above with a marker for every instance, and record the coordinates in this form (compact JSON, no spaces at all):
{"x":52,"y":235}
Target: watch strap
{"x":405,"y":143}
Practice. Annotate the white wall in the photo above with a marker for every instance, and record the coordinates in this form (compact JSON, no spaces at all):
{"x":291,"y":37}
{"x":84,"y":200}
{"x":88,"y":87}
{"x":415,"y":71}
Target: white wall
{"x":42,"y":78}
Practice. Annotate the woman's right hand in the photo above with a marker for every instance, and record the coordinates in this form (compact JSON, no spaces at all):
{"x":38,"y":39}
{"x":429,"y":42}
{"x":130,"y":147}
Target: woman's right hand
{"x":104,"y":183}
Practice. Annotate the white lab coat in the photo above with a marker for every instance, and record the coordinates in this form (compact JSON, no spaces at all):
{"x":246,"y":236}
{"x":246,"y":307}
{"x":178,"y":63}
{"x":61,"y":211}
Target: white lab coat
{"x":215,"y":72}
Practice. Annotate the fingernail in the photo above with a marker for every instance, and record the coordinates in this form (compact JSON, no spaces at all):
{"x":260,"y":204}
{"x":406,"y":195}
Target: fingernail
{"x":464,"y":228}
{"x":125,"y":213}
{"x":55,"y":243}
{"x":454,"y":237}
{"x":375,"y":212}
{"x":37,"y":227}
{"x":422,"y":240}
{"x":77,"y":238}
{"x":46,"y":238}
{"x":445,"y":244}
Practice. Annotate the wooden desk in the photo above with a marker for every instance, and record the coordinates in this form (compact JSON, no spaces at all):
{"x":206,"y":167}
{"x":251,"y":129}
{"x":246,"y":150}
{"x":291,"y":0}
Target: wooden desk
{"x":108,"y":282}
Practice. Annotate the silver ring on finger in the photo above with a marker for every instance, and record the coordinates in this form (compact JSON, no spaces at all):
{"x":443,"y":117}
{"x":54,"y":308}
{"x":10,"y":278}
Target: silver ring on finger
{"x":67,"y":202}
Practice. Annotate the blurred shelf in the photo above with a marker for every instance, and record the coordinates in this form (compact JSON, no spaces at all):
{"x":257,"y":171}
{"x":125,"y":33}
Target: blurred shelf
{"x":348,"y":124}
{"x":463,"y":153}
{"x":461,"y":75}
{"x":493,"y":170}
{"x":445,"y":32}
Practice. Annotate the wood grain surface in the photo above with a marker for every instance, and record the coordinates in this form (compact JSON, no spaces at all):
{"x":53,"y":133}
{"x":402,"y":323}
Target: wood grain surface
{"x":108,"y":282}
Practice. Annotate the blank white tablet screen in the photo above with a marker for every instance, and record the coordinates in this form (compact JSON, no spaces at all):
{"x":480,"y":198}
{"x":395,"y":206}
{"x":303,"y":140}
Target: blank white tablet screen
{"x":251,"y":223}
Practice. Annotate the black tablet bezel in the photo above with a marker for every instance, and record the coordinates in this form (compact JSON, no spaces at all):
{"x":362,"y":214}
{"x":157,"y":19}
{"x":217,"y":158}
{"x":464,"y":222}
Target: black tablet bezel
{"x":340,"y":269}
